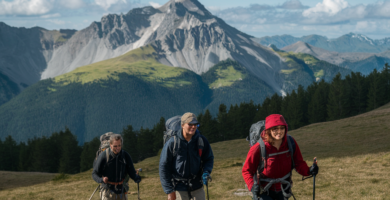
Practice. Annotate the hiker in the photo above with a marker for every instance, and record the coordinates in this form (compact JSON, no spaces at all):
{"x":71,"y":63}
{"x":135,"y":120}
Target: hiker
{"x":111,"y":171}
{"x":275,"y":177}
{"x":186,"y":162}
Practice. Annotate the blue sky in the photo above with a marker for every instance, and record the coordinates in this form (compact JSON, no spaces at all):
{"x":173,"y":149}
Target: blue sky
{"x":331,"y":18}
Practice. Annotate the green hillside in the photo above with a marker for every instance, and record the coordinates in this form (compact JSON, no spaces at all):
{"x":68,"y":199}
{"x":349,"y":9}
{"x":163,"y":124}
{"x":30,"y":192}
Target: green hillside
{"x":134,"y":89}
{"x":106,"y":96}
{"x":139,"y":62}
{"x":353,"y":157}
{"x":233,"y":84}
{"x":304,"y":69}
{"x":8,"y":89}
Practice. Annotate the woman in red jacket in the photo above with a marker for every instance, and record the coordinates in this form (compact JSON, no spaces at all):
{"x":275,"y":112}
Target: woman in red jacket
{"x":275,"y":180}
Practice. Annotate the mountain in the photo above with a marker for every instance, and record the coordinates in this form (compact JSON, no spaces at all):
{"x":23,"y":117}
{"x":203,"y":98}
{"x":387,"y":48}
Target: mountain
{"x":152,"y":63}
{"x":136,"y":89}
{"x":347,"y":43}
{"x":183,"y":33}
{"x":131,"y":89}
{"x":358,"y":62}
{"x":24,"y":54}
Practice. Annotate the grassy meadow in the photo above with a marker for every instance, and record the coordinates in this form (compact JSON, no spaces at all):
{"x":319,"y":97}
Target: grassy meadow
{"x":353,"y":156}
{"x":140,"y":62}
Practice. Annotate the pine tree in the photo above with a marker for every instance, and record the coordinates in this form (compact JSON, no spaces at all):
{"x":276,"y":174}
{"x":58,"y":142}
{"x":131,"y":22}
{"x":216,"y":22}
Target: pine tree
{"x":302,"y":99}
{"x":317,"y":106}
{"x":158,"y":132}
{"x":294,"y":112}
{"x":208,"y":127}
{"x":2,"y":162}
{"x":145,"y":146}
{"x":386,"y":80}
{"x":358,"y":93}
{"x":222,"y":122}
{"x":10,"y":154}
{"x":375,"y":91}
{"x":337,"y":99}
{"x":88,"y":154}
{"x":70,"y":154}
{"x":130,"y":143}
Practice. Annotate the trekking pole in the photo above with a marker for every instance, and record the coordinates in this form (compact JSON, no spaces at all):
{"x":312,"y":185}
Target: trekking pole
{"x":138,"y":171}
{"x":94,"y":192}
{"x":314,"y":180}
{"x":207,"y":185}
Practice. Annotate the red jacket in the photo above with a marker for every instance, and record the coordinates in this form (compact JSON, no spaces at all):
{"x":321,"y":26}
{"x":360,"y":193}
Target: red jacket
{"x":275,"y":166}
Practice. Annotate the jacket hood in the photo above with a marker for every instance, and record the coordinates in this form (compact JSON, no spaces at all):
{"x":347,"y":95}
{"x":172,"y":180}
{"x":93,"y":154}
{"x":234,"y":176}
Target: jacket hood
{"x":275,"y":120}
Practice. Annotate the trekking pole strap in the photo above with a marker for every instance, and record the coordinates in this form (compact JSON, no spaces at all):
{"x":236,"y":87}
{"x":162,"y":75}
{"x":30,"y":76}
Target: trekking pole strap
{"x":278,"y":180}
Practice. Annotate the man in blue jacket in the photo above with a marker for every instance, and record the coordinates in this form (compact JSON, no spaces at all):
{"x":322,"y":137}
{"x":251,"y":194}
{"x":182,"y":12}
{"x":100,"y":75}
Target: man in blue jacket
{"x":186,"y":162}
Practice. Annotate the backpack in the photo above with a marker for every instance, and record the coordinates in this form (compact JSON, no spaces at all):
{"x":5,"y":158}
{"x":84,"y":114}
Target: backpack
{"x":104,"y":144}
{"x":173,"y":128}
{"x":254,"y":137}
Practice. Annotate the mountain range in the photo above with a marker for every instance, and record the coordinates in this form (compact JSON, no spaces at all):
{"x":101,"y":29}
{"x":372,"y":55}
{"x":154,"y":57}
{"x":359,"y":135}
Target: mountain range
{"x":355,"y":61}
{"x":137,"y":67}
{"x":346,"y":43}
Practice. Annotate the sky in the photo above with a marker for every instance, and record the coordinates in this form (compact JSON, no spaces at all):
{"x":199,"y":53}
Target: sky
{"x":259,"y":18}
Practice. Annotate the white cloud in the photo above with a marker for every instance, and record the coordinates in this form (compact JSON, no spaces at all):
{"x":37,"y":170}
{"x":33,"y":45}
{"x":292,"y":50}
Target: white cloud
{"x":155,"y":5}
{"x":25,"y":7}
{"x":51,"y":15}
{"x":56,"y":21}
{"x":72,"y":4}
{"x":106,"y":4}
{"x":330,"y":7}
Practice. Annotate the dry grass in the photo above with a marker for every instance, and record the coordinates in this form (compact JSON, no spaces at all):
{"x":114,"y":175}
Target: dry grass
{"x":353,"y":156}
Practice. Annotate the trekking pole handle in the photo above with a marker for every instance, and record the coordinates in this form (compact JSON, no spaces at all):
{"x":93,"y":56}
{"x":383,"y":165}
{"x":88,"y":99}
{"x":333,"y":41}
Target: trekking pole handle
{"x":315,"y":160}
{"x":209,"y":178}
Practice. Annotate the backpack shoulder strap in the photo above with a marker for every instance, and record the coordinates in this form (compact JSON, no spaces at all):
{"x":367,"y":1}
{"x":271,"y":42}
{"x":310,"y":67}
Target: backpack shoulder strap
{"x":107,"y":154}
{"x":263,"y":155}
{"x":175,"y":141}
{"x":291,"y":147}
{"x":200,"y":146}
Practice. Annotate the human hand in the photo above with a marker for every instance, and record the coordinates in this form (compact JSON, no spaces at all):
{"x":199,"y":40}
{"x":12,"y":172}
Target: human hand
{"x":205,"y":177}
{"x":172,"y":196}
{"x":314,"y":168}
{"x":255,"y":191}
{"x":105,"y":179}
{"x":137,"y":178}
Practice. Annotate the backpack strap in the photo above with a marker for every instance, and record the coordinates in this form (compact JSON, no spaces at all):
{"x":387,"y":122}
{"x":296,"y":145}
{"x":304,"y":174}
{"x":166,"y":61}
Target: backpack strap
{"x":107,"y":154}
{"x":291,"y":147}
{"x":200,"y":146}
{"x":174,"y":145}
{"x":263,"y":153}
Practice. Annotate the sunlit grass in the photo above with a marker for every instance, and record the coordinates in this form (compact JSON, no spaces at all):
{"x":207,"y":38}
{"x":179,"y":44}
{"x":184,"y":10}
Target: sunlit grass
{"x":140,"y":62}
{"x":226,"y":77}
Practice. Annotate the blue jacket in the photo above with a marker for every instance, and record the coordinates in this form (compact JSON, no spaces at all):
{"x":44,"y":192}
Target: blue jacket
{"x":187,"y":163}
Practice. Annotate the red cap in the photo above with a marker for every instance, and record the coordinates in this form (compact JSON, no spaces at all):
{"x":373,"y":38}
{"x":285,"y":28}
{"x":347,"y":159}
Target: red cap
{"x":275,"y":120}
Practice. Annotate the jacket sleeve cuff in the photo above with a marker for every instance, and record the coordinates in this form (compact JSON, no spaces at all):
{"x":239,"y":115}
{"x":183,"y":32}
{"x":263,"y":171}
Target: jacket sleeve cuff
{"x":169,"y":191}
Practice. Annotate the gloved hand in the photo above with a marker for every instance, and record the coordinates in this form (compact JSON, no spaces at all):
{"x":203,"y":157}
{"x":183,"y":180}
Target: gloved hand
{"x":314,"y":169}
{"x":255,"y":191}
{"x":205,"y":176}
{"x":137,"y":178}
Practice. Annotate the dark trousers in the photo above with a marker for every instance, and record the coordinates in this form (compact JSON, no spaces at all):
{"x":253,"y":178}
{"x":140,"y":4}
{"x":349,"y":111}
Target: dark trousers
{"x":272,"y":195}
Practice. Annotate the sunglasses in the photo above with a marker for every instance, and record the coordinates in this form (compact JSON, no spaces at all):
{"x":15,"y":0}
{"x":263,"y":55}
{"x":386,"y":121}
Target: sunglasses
{"x":191,"y":125}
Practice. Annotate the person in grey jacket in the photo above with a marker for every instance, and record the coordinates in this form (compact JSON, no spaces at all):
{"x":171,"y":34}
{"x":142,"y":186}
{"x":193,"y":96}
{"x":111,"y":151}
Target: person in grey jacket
{"x":183,"y":175}
{"x":111,"y":171}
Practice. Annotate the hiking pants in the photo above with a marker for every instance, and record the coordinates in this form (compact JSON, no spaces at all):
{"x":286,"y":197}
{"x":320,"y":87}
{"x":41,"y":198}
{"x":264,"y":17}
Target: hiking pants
{"x":272,"y":195}
{"x":198,"y":194}
{"x":109,"y":195}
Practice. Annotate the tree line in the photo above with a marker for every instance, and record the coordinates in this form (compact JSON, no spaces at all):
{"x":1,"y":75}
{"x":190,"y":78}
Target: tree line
{"x":321,"y":101}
